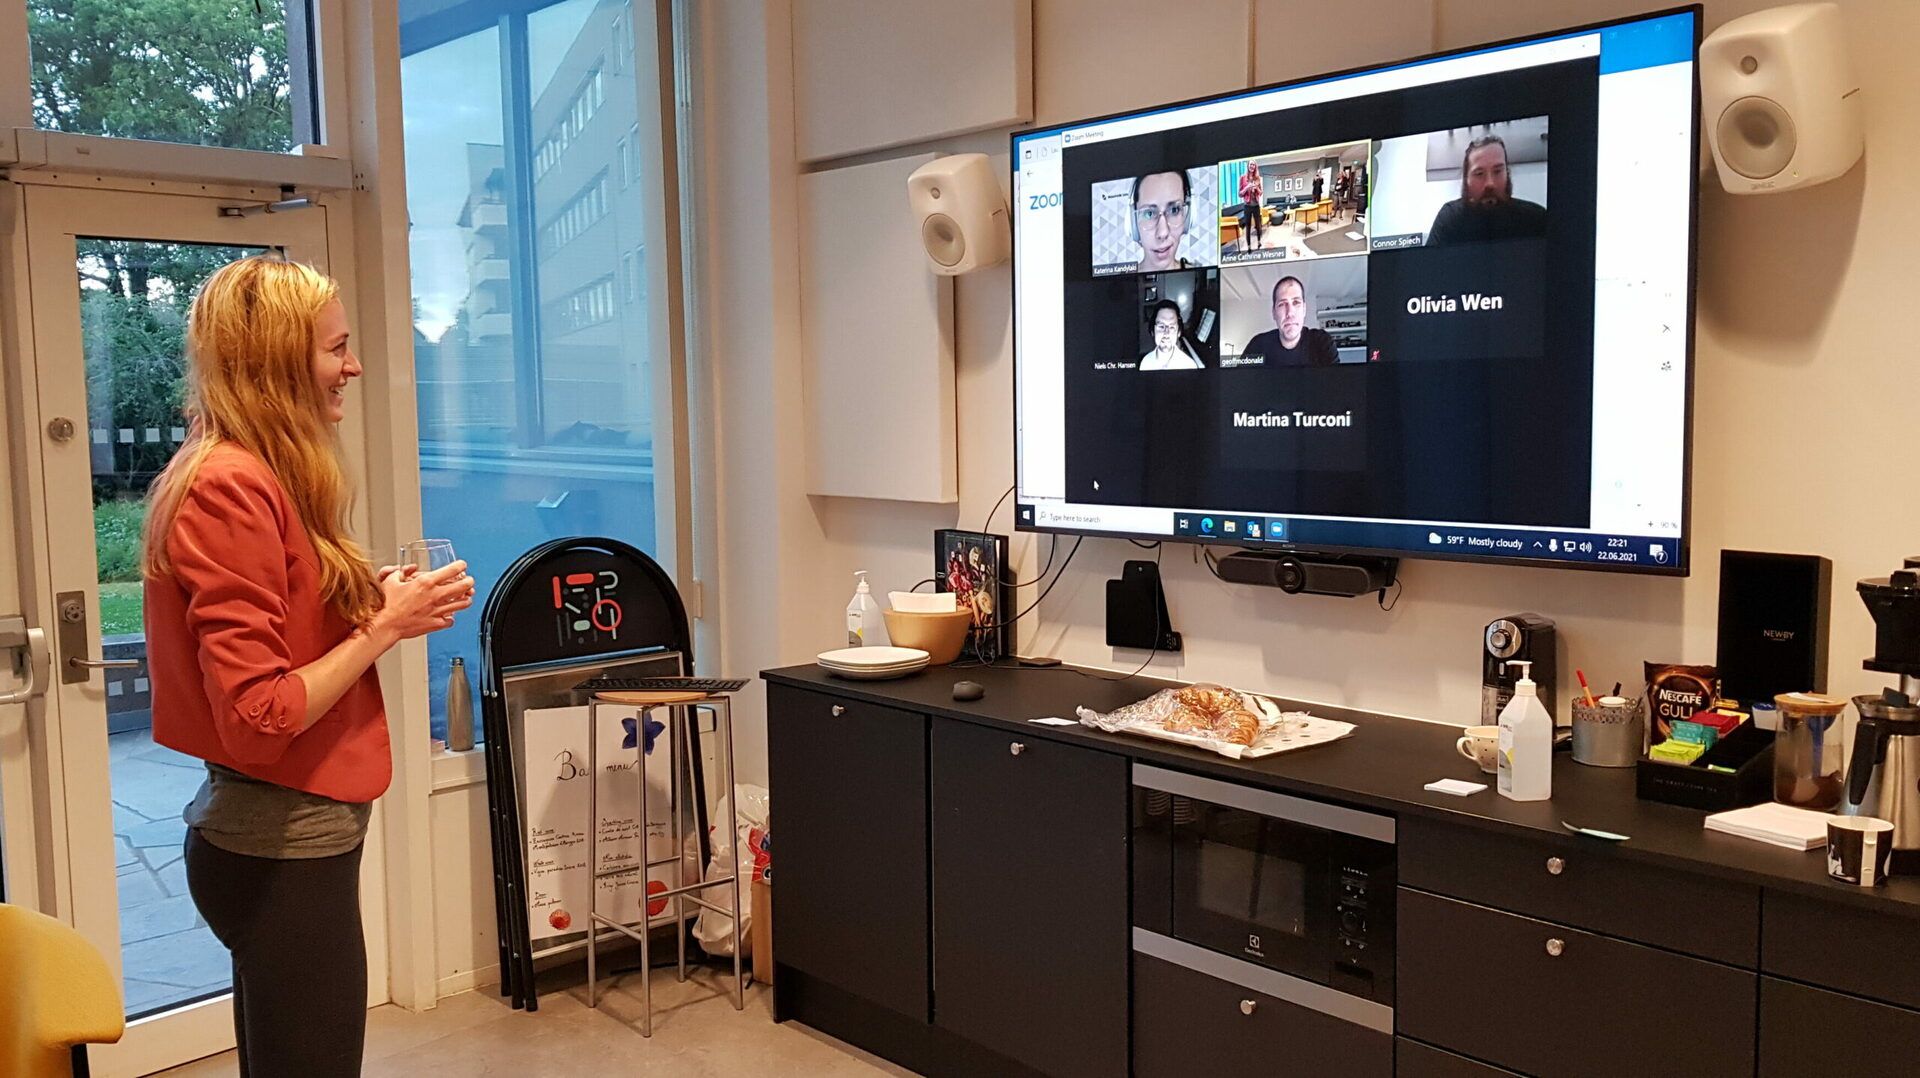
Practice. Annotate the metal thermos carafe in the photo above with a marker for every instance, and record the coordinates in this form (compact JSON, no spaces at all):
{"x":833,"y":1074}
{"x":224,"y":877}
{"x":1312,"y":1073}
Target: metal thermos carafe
{"x":1883,"y":776}
{"x":1883,"y":773}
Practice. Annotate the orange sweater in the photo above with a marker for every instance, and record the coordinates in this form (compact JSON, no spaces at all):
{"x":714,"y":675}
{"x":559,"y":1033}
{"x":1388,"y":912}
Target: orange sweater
{"x":239,"y":612}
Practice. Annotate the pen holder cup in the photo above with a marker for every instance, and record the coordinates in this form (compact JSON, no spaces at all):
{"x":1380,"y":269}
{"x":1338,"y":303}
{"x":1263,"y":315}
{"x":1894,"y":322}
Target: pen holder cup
{"x":1606,"y":736}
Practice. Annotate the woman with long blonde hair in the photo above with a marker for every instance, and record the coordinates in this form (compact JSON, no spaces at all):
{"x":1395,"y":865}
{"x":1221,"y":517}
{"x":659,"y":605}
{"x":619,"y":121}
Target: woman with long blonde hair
{"x":264,"y":619}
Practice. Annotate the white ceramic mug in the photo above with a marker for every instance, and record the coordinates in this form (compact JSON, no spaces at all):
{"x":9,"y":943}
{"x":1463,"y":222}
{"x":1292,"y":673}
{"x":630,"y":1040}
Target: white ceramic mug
{"x":1481,"y":744}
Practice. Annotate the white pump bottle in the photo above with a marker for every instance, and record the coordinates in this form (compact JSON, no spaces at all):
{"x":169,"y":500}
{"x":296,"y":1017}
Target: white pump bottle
{"x":865,"y":624}
{"x":1526,"y":741}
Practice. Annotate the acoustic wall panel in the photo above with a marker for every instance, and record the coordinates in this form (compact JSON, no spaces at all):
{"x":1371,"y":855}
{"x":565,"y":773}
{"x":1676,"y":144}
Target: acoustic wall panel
{"x":1293,"y":39}
{"x":877,"y":340}
{"x":1094,"y":57}
{"x":870,"y":74}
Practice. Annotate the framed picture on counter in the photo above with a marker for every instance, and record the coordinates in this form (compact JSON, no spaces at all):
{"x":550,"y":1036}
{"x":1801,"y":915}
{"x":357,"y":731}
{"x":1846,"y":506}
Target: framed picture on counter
{"x":974,"y":567}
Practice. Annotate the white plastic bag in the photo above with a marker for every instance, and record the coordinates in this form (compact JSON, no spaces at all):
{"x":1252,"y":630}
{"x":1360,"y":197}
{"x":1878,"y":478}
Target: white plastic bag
{"x":753,"y":843}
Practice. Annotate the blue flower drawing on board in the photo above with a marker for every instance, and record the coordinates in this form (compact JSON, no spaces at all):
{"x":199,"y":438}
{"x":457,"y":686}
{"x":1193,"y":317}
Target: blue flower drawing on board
{"x":654,"y":727}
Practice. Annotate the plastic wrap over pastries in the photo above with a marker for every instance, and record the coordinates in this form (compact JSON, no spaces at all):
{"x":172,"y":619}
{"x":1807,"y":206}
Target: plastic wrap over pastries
{"x":1227,"y":721}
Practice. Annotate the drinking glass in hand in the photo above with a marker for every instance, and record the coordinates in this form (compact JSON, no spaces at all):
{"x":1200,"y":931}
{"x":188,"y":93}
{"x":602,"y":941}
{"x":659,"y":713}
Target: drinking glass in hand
{"x":426,"y":555}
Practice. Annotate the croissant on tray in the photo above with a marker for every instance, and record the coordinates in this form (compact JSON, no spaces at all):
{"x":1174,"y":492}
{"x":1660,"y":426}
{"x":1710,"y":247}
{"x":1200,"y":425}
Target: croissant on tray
{"x":1214,"y":711}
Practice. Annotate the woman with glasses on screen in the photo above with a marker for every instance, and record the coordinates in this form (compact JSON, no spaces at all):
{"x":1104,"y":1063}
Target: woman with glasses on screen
{"x":1171,"y":352}
{"x":1160,"y":202}
{"x":263,"y":621}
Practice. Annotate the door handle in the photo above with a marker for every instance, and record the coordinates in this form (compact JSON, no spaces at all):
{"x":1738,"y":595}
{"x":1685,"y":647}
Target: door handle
{"x":30,"y":662}
{"x":103,"y":664}
{"x":76,"y":639}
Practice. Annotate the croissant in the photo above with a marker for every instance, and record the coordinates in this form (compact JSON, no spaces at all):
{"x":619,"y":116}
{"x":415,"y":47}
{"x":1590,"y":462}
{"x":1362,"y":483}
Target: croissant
{"x":1239,"y":727}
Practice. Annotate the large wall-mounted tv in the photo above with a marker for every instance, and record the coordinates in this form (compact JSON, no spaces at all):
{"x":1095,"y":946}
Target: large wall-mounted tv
{"x":1438,"y":308}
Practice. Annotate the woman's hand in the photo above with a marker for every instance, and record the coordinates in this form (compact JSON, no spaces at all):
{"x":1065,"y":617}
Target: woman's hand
{"x":417,"y":603}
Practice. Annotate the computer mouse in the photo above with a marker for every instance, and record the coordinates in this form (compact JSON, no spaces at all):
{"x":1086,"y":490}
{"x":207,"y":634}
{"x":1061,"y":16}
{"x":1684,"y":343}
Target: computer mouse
{"x":968,"y":690}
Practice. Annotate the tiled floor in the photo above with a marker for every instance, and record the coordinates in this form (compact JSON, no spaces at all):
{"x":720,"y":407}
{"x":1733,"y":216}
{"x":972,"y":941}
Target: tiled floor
{"x":169,"y":954}
{"x":696,"y":1033}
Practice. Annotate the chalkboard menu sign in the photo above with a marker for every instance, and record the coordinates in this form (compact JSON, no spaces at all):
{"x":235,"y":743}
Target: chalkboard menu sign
{"x":567,"y":611}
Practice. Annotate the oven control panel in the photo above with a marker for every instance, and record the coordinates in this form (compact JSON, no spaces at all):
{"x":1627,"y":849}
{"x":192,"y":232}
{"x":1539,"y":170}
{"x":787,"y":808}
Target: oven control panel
{"x":1362,"y":927}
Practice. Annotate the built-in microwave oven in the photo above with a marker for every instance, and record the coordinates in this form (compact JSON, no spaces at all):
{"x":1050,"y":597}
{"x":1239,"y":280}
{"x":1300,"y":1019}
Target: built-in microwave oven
{"x":1301,"y":887}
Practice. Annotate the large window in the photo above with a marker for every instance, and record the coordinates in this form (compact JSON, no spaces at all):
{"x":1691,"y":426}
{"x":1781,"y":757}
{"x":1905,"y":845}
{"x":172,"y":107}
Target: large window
{"x":533,"y":356}
{"x":231,"y":73}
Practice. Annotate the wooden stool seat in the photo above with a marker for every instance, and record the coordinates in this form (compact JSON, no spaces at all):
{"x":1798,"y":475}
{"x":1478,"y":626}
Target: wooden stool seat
{"x":647,"y":699}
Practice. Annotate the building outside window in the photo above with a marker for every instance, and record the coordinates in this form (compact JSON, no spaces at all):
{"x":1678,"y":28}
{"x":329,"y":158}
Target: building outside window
{"x":534,"y":363}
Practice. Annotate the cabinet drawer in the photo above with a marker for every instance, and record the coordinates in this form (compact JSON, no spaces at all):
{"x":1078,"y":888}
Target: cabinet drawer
{"x":1839,"y":946}
{"x":1559,"y":1003}
{"x":1187,"y":1023}
{"x":846,"y":714}
{"x":853,"y":907}
{"x":1807,"y":1031}
{"x":1576,"y":883}
{"x":1411,"y":1059}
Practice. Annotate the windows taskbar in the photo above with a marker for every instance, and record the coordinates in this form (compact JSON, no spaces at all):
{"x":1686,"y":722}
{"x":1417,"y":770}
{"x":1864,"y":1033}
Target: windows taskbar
{"x":1639,"y":551}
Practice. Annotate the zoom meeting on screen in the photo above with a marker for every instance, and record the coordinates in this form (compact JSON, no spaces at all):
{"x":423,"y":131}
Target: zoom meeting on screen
{"x":1449,"y":291}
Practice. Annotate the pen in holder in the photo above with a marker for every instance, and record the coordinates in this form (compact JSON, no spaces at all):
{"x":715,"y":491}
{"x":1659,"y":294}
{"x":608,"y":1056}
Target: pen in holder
{"x":1607,"y":732}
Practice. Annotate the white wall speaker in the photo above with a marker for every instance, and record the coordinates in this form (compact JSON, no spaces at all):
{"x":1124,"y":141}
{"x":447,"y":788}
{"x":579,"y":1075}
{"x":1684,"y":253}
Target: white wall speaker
{"x":1779,"y":99}
{"x":963,"y":218}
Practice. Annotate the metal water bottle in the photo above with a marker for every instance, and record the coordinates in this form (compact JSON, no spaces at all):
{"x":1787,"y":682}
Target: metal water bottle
{"x":459,"y":708}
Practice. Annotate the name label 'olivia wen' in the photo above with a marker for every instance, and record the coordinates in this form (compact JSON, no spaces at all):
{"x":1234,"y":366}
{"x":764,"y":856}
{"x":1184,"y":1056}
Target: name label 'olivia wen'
{"x":1471,"y":301}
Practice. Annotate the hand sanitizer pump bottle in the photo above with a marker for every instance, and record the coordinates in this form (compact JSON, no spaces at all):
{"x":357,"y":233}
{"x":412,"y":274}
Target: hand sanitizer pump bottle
{"x":865,"y":626}
{"x":1526,"y":742}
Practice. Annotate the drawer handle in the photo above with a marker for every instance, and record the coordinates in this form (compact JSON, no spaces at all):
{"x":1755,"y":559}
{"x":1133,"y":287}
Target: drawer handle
{"x":838,"y":711}
{"x":1556,"y":947}
{"x":1247,"y":1006}
{"x":1556,"y":866}
{"x":1016,"y":748}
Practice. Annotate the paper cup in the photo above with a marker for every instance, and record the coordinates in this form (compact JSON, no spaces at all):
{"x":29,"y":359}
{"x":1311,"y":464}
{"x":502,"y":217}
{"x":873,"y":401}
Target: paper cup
{"x":1858,"y":849}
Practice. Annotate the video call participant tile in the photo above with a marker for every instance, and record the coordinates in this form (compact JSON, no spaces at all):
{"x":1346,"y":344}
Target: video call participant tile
{"x":1155,"y":222}
{"x":1159,"y":323}
{"x":1481,"y":301}
{"x":1295,"y":205}
{"x":1294,"y":314}
{"x":1465,"y":185}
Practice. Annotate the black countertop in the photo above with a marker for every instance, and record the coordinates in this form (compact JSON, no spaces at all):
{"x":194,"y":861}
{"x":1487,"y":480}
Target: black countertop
{"x":1383,"y":765}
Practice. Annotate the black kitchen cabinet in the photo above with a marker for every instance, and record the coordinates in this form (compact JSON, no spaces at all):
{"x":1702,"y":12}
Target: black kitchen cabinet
{"x":852,"y":907}
{"x":1560,"y":1003}
{"x":1411,"y":1059}
{"x":1806,"y":1031}
{"x":1030,"y":926}
{"x":1569,"y":882}
{"x":1187,"y":1023}
{"x":1867,"y":954}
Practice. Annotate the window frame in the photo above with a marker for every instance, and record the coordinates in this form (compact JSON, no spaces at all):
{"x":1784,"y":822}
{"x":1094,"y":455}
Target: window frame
{"x":360,"y":156}
{"x":320,"y":104}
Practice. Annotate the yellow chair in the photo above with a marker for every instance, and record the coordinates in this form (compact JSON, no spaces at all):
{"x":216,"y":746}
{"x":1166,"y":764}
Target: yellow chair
{"x":55,"y":992}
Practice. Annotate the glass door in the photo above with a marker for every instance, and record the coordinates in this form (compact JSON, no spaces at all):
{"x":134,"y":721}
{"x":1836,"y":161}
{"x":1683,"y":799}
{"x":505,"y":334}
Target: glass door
{"x":110,"y":277}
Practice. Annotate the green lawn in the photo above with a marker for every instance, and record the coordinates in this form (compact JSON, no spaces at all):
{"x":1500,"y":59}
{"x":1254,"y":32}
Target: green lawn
{"x":119,"y":608}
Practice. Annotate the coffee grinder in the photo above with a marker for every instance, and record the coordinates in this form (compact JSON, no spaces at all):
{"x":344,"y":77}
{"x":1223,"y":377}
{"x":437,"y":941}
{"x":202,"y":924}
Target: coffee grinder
{"x":1883,"y":774}
{"x":1523,"y":637}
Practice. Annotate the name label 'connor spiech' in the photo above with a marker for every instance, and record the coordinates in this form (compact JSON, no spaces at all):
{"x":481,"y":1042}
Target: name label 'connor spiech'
{"x":1467,"y":301}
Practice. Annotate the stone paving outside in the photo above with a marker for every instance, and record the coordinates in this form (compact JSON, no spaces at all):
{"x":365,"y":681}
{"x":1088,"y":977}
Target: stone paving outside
{"x":169,"y":954}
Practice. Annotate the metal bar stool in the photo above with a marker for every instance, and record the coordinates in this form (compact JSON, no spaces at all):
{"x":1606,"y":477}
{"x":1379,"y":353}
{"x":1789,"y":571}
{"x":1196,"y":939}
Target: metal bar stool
{"x":681,"y":709}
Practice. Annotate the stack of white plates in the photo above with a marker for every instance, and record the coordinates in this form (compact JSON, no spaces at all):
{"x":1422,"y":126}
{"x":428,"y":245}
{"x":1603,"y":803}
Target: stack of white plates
{"x":875,"y":663}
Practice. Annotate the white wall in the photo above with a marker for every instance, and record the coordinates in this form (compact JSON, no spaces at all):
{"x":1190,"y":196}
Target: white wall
{"x":466,"y":937}
{"x":1800,"y":352}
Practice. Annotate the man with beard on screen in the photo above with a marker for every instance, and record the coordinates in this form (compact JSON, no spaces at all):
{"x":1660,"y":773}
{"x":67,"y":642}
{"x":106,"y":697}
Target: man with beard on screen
{"x":1486,"y":208}
{"x":1291,"y":342}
